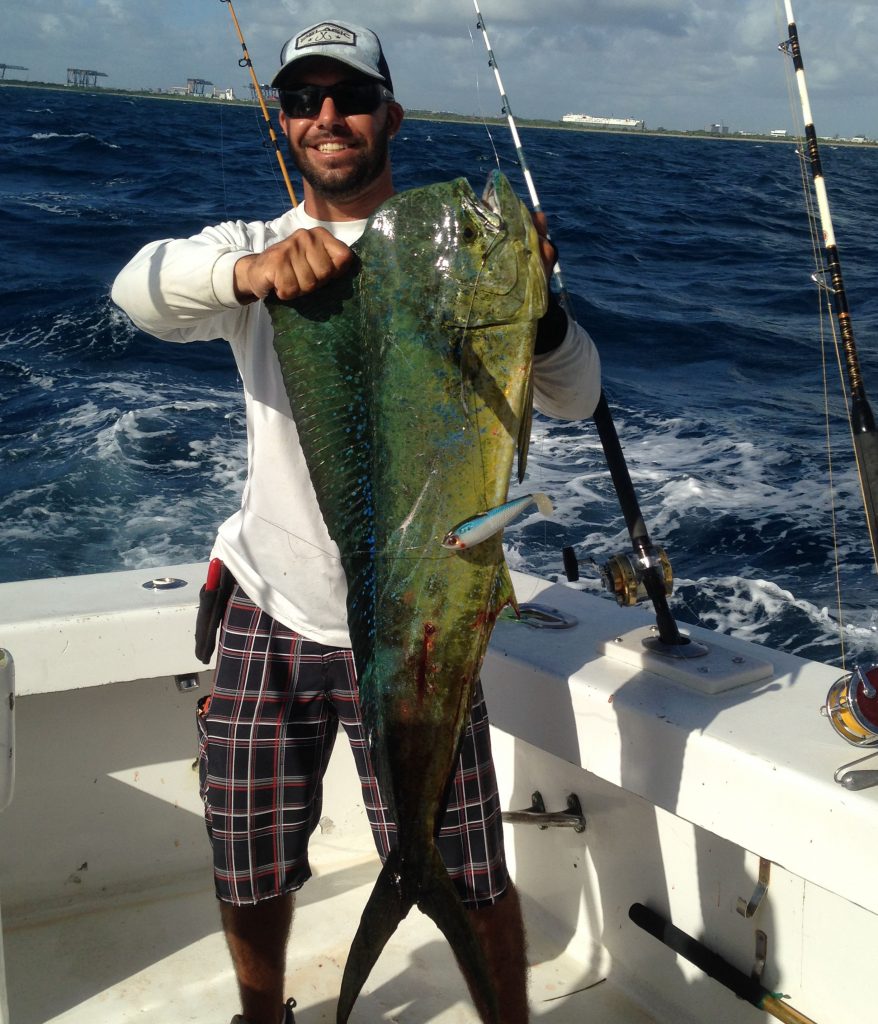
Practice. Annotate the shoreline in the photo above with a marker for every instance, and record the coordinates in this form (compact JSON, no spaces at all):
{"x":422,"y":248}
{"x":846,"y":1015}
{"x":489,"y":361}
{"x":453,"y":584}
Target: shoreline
{"x":448,"y":116}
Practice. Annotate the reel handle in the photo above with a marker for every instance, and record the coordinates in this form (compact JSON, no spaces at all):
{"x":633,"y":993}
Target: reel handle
{"x":571,"y":564}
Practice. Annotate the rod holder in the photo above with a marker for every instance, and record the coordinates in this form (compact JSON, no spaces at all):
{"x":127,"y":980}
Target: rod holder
{"x":537,"y":814}
{"x":187,"y":682}
{"x":747,"y":908}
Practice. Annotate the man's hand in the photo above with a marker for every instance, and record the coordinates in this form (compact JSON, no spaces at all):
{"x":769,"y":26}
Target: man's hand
{"x":548,"y":250}
{"x":301,"y":263}
{"x":552,"y":326}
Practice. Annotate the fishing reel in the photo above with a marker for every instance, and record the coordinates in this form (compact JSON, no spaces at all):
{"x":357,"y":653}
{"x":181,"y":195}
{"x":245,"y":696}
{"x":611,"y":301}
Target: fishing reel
{"x":852,"y":706}
{"x":623,"y":574}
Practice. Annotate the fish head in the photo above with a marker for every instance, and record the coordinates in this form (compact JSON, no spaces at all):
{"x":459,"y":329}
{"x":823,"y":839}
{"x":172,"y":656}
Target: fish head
{"x":512,"y":280}
{"x":485,"y":253}
{"x":473,"y":262}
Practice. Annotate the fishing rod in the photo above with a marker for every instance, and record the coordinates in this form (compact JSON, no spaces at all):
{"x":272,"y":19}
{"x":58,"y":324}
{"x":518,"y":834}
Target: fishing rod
{"x":862,"y":419}
{"x":246,"y":62}
{"x":648,"y":572}
{"x":852,"y":702}
{"x":751,"y":990}
{"x":519,"y":149}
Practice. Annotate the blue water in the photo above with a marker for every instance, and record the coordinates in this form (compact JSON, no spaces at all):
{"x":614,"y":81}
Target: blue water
{"x":689,"y":261}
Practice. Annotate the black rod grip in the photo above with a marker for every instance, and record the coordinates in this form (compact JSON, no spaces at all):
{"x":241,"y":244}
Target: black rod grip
{"x":705,"y":959}
{"x":637,"y":531}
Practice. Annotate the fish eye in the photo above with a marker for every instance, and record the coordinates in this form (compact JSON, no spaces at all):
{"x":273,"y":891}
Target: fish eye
{"x":469,"y":233}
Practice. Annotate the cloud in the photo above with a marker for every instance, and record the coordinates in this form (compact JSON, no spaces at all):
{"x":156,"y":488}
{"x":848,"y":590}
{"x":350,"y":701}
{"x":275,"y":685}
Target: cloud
{"x":677,"y":63}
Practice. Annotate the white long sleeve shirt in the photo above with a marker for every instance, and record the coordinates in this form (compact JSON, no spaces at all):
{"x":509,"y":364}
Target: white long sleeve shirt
{"x":277,"y":545}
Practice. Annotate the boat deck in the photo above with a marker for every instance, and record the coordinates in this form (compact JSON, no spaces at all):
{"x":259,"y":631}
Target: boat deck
{"x":157,"y":955}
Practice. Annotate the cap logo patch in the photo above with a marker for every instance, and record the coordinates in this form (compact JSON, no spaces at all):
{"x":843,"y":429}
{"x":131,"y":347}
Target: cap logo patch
{"x":320,"y":35}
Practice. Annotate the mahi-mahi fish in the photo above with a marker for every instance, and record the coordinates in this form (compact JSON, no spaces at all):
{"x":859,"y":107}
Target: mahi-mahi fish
{"x":410,"y":386}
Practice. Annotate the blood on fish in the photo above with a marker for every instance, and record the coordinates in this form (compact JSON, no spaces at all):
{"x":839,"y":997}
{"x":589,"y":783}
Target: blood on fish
{"x":425,"y":665}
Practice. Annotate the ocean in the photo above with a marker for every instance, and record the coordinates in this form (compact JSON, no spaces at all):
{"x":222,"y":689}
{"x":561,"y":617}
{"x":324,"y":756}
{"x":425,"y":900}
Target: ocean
{"x":688,"y":260}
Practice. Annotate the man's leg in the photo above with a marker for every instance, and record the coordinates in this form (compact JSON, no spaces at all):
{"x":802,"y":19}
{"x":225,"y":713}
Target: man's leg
{"x":471,"y":842}
{"x":500,"y":929}
{"x":257,"y":936}
{"x":266,"y":678}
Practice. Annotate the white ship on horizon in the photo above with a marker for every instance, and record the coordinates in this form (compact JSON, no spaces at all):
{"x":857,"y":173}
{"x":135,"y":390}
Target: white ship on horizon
{"x":603,"y":122}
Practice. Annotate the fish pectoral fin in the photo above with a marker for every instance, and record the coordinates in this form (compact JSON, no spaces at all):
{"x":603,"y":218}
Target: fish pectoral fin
{"x":440,"y":901}
{"x":506,"y":592}
{"x":525,"y":426}
{"x":381,"y":917}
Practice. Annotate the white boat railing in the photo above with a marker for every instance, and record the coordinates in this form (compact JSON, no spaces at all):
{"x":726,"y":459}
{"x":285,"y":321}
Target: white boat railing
{"x":7,"y":779}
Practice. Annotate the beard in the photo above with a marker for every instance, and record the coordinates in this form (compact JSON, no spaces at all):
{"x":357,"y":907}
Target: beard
{"x":347,"y":182}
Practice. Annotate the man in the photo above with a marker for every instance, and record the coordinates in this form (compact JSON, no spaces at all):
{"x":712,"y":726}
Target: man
{"x":284,"y":647}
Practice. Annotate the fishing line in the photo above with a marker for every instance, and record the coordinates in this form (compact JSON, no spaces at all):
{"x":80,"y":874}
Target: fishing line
{"x":862,"y":420}
{"x":246,"y":62}
{"x":471,"y":418}
{"x":519,"y":149}
{"x":223,"y":163}
{"x":266,"y":146}
{"x":830,"y":465}
{"x":485,"y":124}
{"x":823,"y":317}
{"x":831,"y":298}
{"x":487,"y":127}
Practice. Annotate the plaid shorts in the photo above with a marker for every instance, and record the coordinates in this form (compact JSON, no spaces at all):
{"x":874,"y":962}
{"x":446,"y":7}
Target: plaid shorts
{"x":265,"y":737}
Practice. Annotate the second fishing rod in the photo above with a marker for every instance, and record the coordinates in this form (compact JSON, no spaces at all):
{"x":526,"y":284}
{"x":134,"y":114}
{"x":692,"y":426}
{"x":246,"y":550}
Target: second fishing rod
{"x":648,"y":570}
{"x":862,"y":419}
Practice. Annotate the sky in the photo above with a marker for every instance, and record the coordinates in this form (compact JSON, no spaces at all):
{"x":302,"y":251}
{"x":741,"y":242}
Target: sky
{"x":676,"y":64}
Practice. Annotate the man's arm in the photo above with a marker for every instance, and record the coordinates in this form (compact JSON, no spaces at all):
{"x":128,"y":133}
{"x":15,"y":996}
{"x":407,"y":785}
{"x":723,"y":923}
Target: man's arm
{"x":567,"y":375}
{"x":194,"y":289}
{"x":180,"y":289}
{"x":567,"y":367}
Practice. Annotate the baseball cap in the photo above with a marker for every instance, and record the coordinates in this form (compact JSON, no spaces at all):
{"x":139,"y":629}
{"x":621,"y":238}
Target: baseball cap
{"x":353,"y":45}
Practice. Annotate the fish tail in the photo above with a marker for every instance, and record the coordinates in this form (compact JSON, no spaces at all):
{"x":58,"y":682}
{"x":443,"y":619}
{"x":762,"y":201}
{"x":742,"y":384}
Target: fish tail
{"x":543,"y":503}
{"x":387,"y":906}
{"x":440,"y":901}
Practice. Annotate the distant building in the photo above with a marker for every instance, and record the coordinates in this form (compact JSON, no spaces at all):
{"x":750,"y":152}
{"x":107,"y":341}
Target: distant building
{"x":83,"y":76}
{"x":779,"y":133}
{"x":718,"y":129}
{"x":604,"y":122}
{"x":196,"y":86}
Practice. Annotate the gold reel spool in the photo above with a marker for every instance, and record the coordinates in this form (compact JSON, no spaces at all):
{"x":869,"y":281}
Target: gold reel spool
{"x":623,"y":577}
{"x":852,"y":706}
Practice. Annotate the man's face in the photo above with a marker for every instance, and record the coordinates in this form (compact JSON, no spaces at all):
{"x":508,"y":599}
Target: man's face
{"x":339,"y":155}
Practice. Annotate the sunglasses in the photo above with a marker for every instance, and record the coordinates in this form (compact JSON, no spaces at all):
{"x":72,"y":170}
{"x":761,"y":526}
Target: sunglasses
{"x":347,"y":97}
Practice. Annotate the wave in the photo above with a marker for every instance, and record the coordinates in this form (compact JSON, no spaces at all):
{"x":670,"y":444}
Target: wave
{"x":61,"y":135}
{"x":44,"y":136}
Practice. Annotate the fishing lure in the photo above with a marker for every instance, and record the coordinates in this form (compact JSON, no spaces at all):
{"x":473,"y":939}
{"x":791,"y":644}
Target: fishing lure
{"x":477,"y":528}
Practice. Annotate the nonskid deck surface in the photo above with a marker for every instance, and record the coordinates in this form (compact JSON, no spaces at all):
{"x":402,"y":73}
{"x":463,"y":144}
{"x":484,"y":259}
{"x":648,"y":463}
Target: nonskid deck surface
{"x":158,"y":956}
